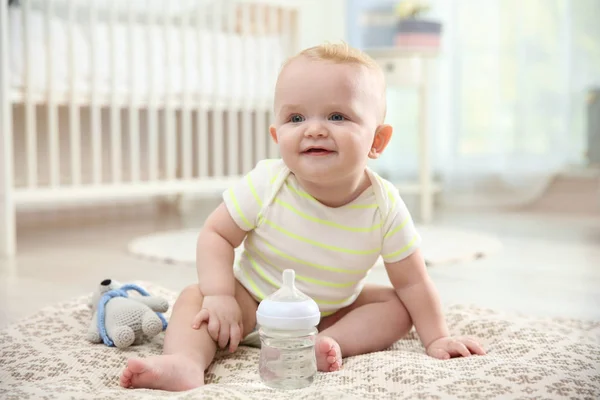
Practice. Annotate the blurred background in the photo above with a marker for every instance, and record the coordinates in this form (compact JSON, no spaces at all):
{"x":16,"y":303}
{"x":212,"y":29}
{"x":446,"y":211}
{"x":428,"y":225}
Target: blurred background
{"x":123,"y":122}
{"x":514,"y":98}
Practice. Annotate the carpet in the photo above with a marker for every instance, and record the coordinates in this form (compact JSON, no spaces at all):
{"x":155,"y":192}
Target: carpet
{"x":441,"y":245}
{"x":46,"y":356}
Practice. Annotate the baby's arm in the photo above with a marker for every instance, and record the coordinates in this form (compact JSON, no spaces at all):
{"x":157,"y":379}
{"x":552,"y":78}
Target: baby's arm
{"x":223,"y":232}
{"x":214,"y":262}
{"x":416,"y":290}
{"x":215,"y":253}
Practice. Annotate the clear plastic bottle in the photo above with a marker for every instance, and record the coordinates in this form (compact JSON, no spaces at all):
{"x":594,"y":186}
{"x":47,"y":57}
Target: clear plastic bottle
{"x":288,"y":322}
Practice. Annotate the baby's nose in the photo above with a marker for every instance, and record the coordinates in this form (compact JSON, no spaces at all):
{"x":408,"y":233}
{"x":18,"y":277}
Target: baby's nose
{"x":316,"y":130}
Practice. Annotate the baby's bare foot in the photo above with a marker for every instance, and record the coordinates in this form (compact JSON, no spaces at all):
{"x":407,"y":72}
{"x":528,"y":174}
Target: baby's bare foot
{"x":329,"y":355}
{"x":166,"y":372}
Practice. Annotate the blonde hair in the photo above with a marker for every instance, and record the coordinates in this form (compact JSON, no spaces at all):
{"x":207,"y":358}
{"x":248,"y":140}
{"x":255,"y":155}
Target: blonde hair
{"x":336,"y":52}
{"x":341,"y":53}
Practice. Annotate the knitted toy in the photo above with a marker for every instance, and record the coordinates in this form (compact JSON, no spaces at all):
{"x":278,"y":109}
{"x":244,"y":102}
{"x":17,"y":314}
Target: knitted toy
{"x":120,"y":320}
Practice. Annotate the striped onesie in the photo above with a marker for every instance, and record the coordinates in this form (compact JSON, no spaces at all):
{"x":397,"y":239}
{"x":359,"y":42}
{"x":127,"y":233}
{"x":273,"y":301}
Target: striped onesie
{"x":331,"y":250}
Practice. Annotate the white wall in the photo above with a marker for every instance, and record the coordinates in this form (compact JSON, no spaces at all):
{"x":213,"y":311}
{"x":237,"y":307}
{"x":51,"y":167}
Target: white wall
{"x":321,"y":20}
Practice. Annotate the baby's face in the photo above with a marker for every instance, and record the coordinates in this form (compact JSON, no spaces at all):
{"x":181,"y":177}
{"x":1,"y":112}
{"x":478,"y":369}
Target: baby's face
{"x":326,"y":115}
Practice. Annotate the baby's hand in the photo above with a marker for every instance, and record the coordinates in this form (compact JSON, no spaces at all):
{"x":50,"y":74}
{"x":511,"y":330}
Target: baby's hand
{"x":447,"y":347}
{"x":224,"y":318}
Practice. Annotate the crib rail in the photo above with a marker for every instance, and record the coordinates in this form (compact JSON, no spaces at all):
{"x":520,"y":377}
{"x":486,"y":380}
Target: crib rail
{"x":193,"y":124}
{"x":7,"y":209}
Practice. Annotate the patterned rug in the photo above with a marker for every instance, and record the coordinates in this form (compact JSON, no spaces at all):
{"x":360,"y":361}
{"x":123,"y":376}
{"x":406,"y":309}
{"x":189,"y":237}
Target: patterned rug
{"x":46,"y":356}
{"x":440,"y":245}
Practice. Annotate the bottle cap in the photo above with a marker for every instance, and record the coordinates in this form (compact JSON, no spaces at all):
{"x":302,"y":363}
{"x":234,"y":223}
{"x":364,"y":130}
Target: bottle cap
{"x":288,"y":308}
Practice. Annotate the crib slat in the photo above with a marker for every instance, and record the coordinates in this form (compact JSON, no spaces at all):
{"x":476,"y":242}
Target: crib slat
{"x":233,"y":106}
{"x":186,"y":122}
{"x":201,"y":112}
{"x":134,"y":123}
{"x":260,"y":15}
{"x":284,"y":26}
{"x":152,"y":113}
{"x":248,"y":93}
{"x":264,"y":140}
{"x":30,"y":114}
{"x":217,"y":131}
{"x":73,"y":108}
{"x":170,"y":133}
{"x":95,"y":111}
{"x":52,"y":112}
{"x":203,"y":143}
{"x":276,"y":27}
{"x":115,"y":110}
{"x":8,"y":231}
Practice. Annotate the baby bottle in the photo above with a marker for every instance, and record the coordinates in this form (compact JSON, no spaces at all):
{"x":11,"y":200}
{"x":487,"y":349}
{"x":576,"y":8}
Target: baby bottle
{"x":288,"y":322}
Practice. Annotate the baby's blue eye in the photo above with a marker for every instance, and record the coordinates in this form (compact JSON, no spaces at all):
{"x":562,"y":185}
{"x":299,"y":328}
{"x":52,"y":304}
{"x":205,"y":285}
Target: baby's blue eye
{"x":296,"y":118}
{"x":337,"y":117}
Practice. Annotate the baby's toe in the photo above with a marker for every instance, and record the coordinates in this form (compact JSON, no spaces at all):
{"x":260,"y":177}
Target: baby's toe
{"x":325,"y":346}
{"x":328,"y":353}
{"x":125,"y":380}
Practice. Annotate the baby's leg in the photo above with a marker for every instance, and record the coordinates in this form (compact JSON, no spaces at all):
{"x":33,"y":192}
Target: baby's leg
{"x":375,"y":321}
{"x":187,"y":352}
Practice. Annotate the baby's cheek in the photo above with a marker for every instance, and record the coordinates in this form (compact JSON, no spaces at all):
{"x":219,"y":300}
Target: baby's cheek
{"x":286,"y":148}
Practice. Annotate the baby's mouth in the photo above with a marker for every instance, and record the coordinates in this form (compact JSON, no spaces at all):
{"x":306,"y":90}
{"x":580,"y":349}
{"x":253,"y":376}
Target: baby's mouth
{"x":317,"y":151}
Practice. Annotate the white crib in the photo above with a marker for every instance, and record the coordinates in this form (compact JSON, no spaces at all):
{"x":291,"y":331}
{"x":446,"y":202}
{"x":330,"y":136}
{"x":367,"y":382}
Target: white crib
{"x":103,"y":99}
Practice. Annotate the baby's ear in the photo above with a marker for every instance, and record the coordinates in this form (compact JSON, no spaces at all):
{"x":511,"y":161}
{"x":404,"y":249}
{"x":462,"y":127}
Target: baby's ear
{"x":273,"y":133}
{"x":383,"y":134}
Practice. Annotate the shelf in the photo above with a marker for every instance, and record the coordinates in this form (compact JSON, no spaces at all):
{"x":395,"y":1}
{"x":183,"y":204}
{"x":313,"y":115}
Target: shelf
{"x":407,"y":52}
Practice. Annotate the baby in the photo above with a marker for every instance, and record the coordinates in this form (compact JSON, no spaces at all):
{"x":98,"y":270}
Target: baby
{"x":320,"y":211}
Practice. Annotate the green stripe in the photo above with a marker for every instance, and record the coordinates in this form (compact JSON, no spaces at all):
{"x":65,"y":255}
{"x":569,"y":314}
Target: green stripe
{"x":238,"y":209}
{"x":402,"y":250}
{"x":396,"y":229}
{"x":332,"y":302}
{"x":321,"y":245}
{"x":263,"y":275}
{"x":389,"y":192}
{"x":309,"y":197}
{"x":326,"y":222}
{"x":273,"y":179}
{"x":253,"y":190}
{"x":260,"y":271}
{"x":298,"y":277}
{"x":257,"y":291}
{"x":310,"y":264}
{"x":301,"y":193}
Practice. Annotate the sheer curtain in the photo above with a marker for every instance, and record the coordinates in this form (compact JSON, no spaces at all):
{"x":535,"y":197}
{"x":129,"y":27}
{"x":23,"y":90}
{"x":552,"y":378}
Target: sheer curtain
{"x":508,"y":105}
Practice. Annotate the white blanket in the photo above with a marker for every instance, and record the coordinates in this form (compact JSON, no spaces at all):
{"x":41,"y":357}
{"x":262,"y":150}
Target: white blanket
{"x":47,"y":356}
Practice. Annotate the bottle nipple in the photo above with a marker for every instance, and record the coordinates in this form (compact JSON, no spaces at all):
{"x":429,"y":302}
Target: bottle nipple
{"x":289,"y":276}
{"x":288,"y":308}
